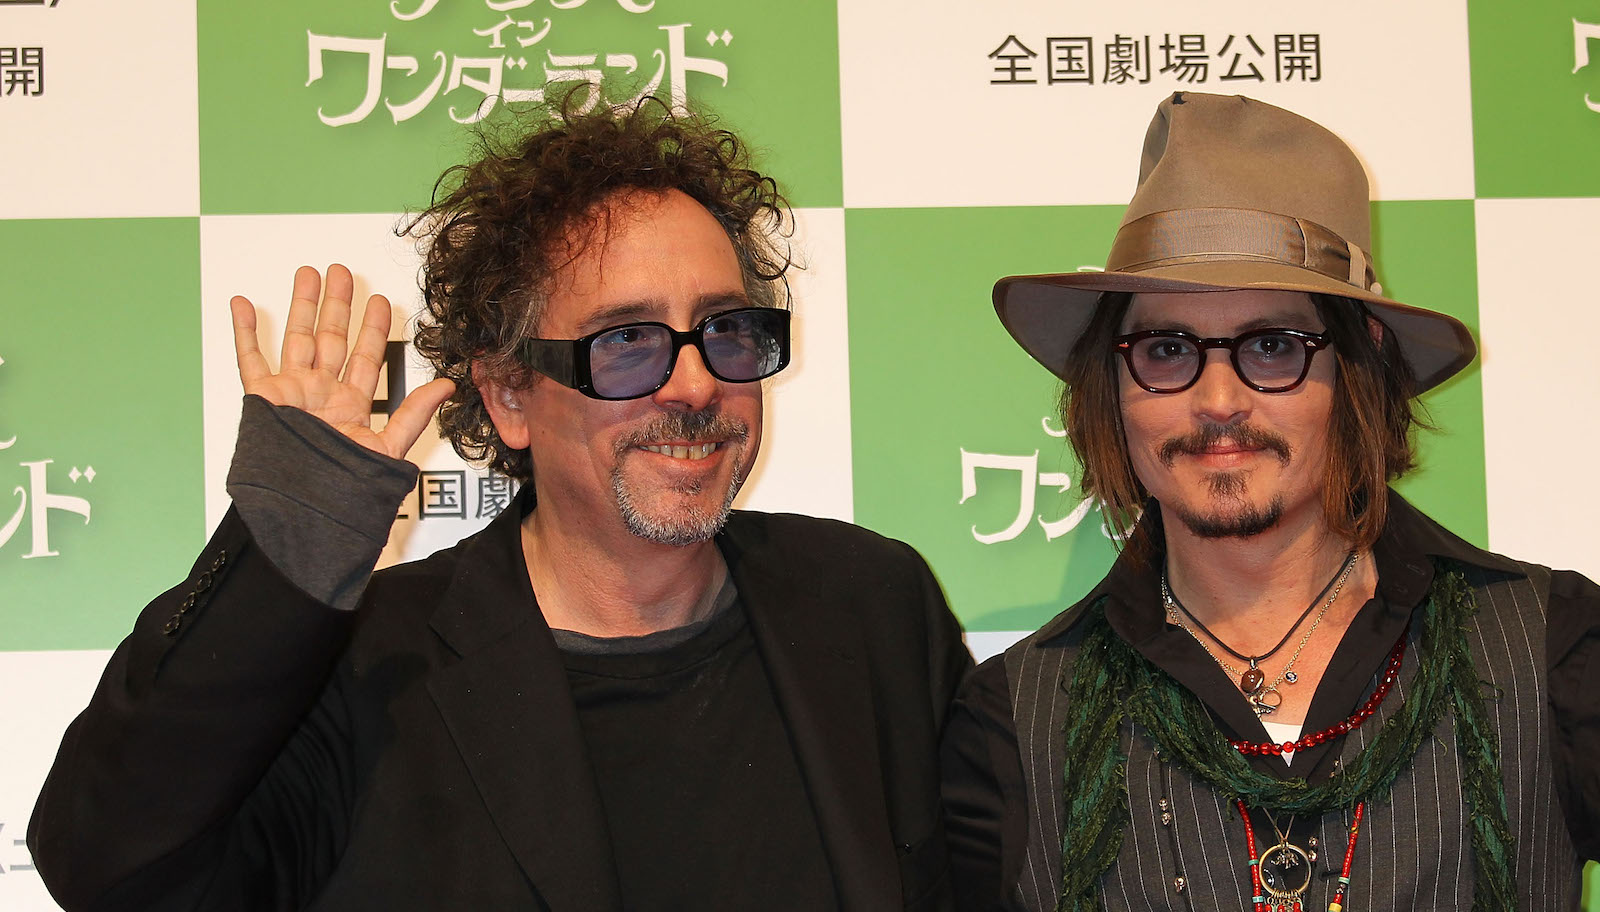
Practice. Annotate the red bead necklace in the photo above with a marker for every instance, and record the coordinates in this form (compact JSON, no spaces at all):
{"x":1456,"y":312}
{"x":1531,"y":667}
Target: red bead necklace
{"x":1390,"y":673}
{"x":1261,"y":901}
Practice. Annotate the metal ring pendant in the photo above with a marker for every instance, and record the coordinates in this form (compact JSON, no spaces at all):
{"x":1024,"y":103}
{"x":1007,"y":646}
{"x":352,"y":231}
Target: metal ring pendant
{"x":1285,"y":871}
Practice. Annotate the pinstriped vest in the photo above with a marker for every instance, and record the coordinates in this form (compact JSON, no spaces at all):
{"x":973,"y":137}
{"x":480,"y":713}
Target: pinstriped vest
{"x":1414,"y":851}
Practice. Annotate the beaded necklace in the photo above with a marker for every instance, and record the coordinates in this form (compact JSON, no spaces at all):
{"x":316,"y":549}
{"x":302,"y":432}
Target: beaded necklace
{"x":1391,"y":672}
{"x":1252,"y":681}
{"x":1272,"y":891}
{"x":1111,"y":682}
{"x":1268,"y":898}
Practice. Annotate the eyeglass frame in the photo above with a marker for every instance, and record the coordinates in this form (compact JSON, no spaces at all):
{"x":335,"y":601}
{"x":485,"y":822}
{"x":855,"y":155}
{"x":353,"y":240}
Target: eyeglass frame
{"x":1313,"y":342}
{"x":566,"y":361}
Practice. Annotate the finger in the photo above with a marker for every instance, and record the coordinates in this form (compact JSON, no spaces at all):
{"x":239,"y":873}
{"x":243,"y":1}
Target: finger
{"x":372,"y":344}
{"x":408,"y":421}
{"x":333,"y":320}
{"x":246,"y":347}
{"x":299,"y":343}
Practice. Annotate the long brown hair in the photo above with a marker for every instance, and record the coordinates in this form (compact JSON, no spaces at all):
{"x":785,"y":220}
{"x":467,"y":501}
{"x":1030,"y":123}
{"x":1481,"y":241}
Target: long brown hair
{"x":1369,"y":430}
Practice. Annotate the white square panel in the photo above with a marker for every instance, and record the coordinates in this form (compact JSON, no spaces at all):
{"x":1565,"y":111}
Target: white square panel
{"x":47,"y":690}
{"x":924,"y":125}
{"x":115,"y":132}
{"x":1536,"y":290}
{"x":805,"y":461}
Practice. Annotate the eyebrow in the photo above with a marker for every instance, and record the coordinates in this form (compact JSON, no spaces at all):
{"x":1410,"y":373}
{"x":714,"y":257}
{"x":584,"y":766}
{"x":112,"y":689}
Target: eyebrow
{"x":1280,"y":320}
{"x":642,"y":310}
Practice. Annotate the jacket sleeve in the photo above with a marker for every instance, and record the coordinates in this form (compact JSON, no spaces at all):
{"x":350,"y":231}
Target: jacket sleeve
{"x":157,"y":798}
{"x":949,"y":660}
{"x":144,"y":807}
{"x":1573,"y":656}
{"x":982,"y":792}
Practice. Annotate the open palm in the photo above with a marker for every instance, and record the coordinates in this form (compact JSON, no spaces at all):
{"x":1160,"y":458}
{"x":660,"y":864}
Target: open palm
{"x":319,"y":373}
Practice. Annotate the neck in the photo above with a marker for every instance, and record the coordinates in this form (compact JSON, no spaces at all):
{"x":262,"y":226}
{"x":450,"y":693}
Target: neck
{"x":1246,"y":586}
{"x":601,"y":583}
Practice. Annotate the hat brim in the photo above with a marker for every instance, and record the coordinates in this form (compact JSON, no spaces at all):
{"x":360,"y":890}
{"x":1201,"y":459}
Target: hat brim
{"x":1046,"y":314}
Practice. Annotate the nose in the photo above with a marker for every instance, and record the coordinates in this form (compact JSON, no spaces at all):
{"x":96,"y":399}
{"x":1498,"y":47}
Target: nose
{"x":691,"y":386}
{"x":1220,"y":395}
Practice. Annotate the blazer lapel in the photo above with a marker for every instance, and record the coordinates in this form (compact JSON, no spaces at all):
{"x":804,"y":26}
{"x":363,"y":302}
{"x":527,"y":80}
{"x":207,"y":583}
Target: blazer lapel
{"x":817,"y":663}
{"x":507,"y":705}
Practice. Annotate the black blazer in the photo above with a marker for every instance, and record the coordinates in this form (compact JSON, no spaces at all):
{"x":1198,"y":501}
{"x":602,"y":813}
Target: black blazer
{"x":251,"y":748}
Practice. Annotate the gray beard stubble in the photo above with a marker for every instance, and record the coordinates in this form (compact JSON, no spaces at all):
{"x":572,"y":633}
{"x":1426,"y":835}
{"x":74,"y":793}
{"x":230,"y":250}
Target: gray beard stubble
{"x":683,"y":529}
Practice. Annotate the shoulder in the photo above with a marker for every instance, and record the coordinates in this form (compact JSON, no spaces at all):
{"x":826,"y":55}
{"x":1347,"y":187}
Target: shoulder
{"x":825,"y":567}
{"x":404,"y":597}
{"x":986,"y":692}
{"x":811,"y":544}
{"x":1061,"y":634}
{"x":496,"y":547}
{"x":1572,"y":586}
{"x":1411,"y":537}
{"x":418,"y":578}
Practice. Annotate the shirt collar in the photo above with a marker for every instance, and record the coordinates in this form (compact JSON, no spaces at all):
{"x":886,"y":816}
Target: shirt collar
{"x":1403,"y":554}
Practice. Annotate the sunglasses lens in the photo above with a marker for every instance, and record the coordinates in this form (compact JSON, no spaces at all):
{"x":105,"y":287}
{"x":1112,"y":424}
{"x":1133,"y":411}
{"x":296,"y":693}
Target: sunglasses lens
{"x":1272,"y":360}
{"x":1164,"y":362}
{"x":744,"y":345}
{"x":741,"y":345}
{"x":629,"y":361}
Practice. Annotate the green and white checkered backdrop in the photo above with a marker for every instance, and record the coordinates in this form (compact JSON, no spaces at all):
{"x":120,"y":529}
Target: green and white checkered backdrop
{"x":158,"y":157}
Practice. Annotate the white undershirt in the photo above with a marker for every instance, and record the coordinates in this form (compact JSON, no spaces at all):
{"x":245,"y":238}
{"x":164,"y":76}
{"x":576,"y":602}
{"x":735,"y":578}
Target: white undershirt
{"x":1283,"y":731}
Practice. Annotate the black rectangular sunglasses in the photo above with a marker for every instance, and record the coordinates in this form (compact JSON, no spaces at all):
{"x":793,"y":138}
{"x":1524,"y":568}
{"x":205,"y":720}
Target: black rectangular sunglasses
{"x":636,"y":359}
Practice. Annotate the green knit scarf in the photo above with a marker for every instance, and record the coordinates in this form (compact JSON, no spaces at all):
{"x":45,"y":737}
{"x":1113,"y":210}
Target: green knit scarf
{"x":1111,"y":682}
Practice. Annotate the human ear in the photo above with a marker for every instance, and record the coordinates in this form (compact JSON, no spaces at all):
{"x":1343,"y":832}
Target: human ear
{"x":505,"y":410}
{"x":1375,"y":330}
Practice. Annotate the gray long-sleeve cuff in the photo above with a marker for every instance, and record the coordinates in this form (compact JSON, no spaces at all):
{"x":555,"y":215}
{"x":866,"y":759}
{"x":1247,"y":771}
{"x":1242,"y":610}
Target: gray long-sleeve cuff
{"x":319,"y":504}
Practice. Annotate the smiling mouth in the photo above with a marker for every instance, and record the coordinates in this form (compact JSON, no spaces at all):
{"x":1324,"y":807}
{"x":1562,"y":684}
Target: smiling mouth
{"x":691,"y":452}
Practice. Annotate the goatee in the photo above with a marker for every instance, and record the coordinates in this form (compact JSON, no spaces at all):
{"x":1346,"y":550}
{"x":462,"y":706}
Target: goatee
{"x":1243,"y":522}
{"x":679,"y":527}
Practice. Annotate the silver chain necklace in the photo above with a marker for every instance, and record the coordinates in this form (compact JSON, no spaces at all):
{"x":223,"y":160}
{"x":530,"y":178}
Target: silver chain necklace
{"x":1252,"y":681}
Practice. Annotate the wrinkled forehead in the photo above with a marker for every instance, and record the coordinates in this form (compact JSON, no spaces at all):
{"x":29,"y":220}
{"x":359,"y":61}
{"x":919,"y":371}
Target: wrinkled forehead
{"x":1222,"y":313}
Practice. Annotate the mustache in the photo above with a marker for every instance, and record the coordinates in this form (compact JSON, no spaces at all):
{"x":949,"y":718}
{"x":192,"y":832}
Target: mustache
{"x":1210,"y":434}
{"x":686,"y":426}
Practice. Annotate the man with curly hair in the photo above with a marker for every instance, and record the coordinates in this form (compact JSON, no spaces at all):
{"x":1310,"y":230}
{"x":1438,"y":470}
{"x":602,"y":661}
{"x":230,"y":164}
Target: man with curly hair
{"x":620,"y":694}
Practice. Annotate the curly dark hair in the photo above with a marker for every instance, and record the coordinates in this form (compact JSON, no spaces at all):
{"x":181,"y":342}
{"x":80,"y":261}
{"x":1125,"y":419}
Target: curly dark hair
{"x":501,"y":226}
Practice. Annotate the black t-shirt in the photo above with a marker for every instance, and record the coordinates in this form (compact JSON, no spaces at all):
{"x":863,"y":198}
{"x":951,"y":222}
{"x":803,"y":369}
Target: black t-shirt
{"x":702,"y":793}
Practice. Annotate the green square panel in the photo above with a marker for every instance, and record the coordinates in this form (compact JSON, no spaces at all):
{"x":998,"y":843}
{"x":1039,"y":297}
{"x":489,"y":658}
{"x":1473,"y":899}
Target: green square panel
{"x":1426,"y":253}
{"x":1535,"y":90}
{"x":100,"y":433}
{"x":956,"y":434}
{"x":357,"y":107}
{"x":948,"y":416}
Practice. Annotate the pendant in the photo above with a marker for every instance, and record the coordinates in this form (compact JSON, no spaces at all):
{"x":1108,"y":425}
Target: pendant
{"x":1263,"y":707}
{"x":1291,"y":677}
{"x":1285,"y":874}
{"x":1251,"y":681}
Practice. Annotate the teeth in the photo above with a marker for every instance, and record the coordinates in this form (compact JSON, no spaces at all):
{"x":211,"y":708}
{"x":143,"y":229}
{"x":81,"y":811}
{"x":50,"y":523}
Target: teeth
{"x":697,"y":451}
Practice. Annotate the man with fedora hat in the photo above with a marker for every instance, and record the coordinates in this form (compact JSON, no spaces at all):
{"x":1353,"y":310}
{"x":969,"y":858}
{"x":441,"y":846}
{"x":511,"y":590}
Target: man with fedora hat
{"x":1292,"y":689}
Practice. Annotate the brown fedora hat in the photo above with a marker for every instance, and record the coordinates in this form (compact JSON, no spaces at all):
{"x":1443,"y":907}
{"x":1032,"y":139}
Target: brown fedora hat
{"x":1234,"y":193}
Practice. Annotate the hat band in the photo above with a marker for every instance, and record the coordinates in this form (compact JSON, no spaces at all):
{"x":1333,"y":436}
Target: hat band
{"x":1179,"y":236}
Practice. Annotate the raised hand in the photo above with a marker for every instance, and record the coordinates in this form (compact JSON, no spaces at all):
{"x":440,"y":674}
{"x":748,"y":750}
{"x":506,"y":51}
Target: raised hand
{"x":314,"y":373}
